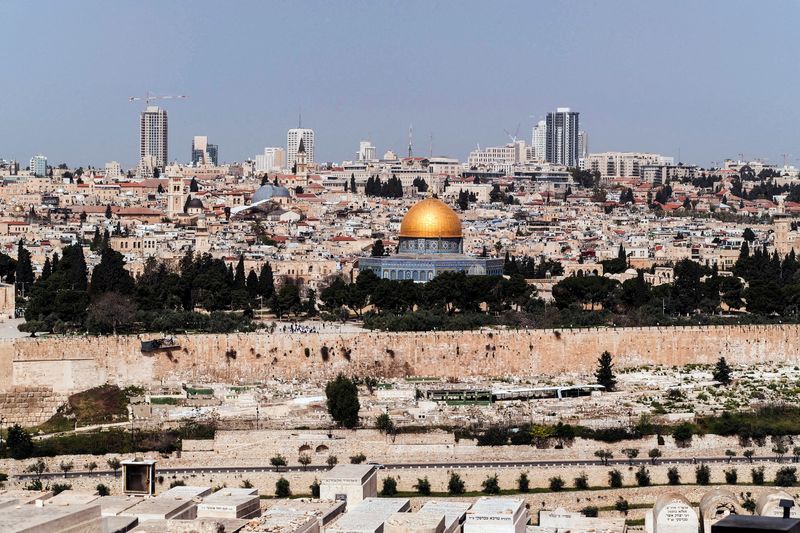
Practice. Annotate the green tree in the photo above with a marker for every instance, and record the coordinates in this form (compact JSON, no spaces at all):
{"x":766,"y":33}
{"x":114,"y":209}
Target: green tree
{"x":604,"y":455}
{"x":24,"y":269}
{"x":654,"y":455}
{"x":278,"y":461}
{"x":342,"y":401}
{"x":110,"y":275}
{"x":114,"y":464}
{"x":282,"y":489}
{"x":423,"y":486}
{"x":757,"y":475}
{"x":605,"y":372}
{"x":673,"y":476}
{"x":722,"y":372}
{"x":615,"y":479}
{"x":523,"y":483}
{"x":389,"y":487}
{"x":731,"y":476}
{"x":19,"y":442}
{"x":786,"y":476}
{"x":377,"y":249}
{"x":102,"y":490}
{"x":702,"y":474}
{"x":314,"y":489}
{"x":384,"y":423}
{"x":556,"y":484}
{"x":304,"y":459}
{"x":490,"y":485}
{"x":582,"y":481}
{"x":642,"y":476}
{"x":266,"y":283}
{"x":455,"y":485}
{"x":631,"y":454}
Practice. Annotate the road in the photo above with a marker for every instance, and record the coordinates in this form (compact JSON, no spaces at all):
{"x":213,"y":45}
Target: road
{"x":415,"y":466}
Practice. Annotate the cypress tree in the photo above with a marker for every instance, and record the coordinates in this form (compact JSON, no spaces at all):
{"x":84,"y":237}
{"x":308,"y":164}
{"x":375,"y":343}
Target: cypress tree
{"x":605,"y":372}
{"x":239,"y":280}
{"x":252,"y":284}
{"x":46,"y":269}
{"x":266,"y":283}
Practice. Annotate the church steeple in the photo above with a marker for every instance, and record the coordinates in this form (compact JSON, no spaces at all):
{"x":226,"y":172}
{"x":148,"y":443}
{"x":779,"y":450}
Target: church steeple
{"x":302,"y":148}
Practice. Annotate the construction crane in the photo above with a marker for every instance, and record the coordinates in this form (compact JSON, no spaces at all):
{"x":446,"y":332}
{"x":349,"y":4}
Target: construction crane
{"x":151,"y":96}
{"x":513,"y":137}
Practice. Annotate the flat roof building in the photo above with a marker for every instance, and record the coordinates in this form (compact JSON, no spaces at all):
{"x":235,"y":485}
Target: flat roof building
{"x":51,"y":519}
{"x":496,"y":515}
{"x":454,"y":513}
{"x":414,"y":523}
{"x":369,"y":515}
{"x":230,"y":503}
{"x":349,"y":483}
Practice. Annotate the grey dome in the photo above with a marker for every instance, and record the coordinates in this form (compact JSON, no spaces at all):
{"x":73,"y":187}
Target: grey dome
{"x":265,"y":192}
{"x":195,"y":202}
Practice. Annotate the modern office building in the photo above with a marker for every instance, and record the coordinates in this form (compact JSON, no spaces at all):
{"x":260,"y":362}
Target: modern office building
{"x":272,"y":160}
{"x":38,"y":165}
{"x":153,"y":136}
{"x":623,"y":164}
{"x":562,"y":137}
{"x":366,"y":152}
{"x":204,"y":153}
{"x":583,"y":144}
{"x":293,"y":143}
{"x":539,"y":141}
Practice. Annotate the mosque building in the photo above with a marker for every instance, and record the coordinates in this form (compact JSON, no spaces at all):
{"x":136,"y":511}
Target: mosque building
{"x":431,"y":242}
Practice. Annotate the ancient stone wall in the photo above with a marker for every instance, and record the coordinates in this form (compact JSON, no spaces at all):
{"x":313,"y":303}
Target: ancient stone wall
{"x":29,"y":406}
{"x":68,"y":364}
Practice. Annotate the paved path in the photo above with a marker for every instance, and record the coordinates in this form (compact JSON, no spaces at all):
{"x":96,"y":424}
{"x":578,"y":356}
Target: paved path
{"x":416,"y":466}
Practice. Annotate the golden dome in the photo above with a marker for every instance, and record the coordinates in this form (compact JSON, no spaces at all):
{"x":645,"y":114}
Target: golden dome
{"x":431,"y":218}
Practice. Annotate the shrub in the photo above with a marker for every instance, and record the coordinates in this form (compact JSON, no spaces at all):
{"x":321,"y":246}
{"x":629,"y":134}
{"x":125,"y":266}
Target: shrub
{"x":19,"y":442}
{"x":491,"y":485}
{"x":278,"y":460}
{"x":282,"y":489}
{"x":590,"y":511}
{"x":389,"y":486}
{"x":682,"y":433}
{"x":673,"y":476}
{"x":58,"y":488}
{"x":455,"y":485}
{"x":246,"y":484}
{"x":786,"y":476}
{"x":615,"y":479}
{"x":314,"y":489}
{"x":582,"y":481}
{"x":731,"y":476}
{"x":642,"y":476}
{"x":622,"y":506}
{"x":757,"y":475}
{"x":702,"y":474}
{"x":556,"y":484}
{"x":332,"y":460}
{"x":102,"y":490}
{"x":423,"y":486}
{"x":384,"y":423}
{"x":523,"y":483}
{"x":357,"y":459}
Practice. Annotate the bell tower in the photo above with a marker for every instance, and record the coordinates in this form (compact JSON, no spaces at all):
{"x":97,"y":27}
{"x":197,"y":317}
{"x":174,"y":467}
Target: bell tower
{"x":175,"y":196}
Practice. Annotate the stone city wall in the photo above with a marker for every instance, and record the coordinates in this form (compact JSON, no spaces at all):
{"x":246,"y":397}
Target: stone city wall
{"x":69,"y":364}
{"x":29,"y":406}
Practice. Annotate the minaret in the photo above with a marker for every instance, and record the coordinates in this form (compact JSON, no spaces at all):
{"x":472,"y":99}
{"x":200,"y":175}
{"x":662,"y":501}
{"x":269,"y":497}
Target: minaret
{"x":175,"y":196}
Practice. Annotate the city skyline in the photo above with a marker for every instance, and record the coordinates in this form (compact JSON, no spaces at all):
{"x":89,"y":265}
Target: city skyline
{"x":637,"y":89}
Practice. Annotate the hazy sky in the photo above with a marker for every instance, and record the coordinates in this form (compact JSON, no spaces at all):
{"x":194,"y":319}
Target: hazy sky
{"x":711,"y":79}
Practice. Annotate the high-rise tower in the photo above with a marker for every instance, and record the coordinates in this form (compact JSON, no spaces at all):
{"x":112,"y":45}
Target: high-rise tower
{"x":153,"y":137}
{"x":562,"y":137}
{"x":293,"y":138}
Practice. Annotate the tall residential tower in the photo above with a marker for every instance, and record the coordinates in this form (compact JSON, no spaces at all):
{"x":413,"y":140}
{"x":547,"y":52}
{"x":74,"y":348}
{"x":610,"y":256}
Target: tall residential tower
{"x":153,"y":137}
{"x":293,"y":142}
{"x":562,"y":137}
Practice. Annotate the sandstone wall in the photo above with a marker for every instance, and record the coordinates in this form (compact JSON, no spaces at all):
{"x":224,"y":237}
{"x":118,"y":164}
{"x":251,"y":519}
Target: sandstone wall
{"x":68,"y":364}
{"x":29,"y":406}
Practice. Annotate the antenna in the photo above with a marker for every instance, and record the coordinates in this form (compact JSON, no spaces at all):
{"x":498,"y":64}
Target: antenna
{"x":410,"y":140}
{"x":431,"y":143}
{"x":300,"y":117}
